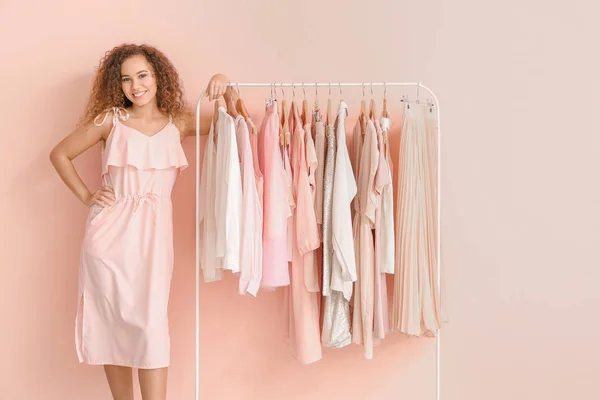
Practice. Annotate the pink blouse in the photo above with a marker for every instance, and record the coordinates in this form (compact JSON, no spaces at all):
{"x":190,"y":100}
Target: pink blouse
{"x":275,"y":271}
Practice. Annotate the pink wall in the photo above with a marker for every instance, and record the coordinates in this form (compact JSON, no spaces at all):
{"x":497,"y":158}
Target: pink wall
{"x":520,"y":194}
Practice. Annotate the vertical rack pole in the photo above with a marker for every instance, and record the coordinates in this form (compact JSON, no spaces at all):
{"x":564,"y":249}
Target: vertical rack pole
{"x":197,"y":250}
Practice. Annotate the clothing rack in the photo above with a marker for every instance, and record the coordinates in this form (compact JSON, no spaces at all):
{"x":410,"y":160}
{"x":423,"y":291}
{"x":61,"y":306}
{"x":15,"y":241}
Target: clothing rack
{"x":302,"y":85}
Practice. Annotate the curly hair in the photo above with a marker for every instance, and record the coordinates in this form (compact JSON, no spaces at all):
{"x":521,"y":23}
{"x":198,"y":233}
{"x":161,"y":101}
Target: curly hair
{"x":107,"y":92}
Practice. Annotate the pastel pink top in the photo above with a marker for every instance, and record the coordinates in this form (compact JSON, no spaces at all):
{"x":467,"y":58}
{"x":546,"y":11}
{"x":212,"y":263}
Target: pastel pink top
{"x":303,"y":301}
{"x":251,"y":235}
{"x":275,"y":272}
{"x":127,"y":251}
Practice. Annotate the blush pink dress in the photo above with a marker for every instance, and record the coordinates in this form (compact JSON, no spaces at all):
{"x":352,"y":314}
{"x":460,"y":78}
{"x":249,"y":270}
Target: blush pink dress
{"x":302,"y":301}
{"x":127,"y":251}
{"x":383,"y":179}
{"x":364,"y":222}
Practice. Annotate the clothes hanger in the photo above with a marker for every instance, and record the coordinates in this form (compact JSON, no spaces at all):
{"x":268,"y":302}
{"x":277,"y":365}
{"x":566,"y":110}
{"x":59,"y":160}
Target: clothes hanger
{"x":230,"y":105}
{"x":304,"y":107}
{"x":384,"y":113}
{"x":316,"y":104}
{"x":329,"y":106}
{"x":430,"y":104}
{"x":363,"y":106}
{"x":288,"y":123}
{"x":283,"y":123}
{"x":284,"y":111}
{"x":372,"y":107}
{"x":241,"y":108}
{"x":295,"y":114}
{"x":404,"y":100}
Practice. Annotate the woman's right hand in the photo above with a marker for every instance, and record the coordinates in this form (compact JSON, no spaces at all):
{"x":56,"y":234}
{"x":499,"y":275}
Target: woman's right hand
{"x":104,"y":197}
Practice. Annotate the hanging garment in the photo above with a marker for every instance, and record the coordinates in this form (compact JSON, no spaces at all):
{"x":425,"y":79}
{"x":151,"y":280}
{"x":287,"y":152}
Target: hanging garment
{"x":319,"y":130}
{"x":258,"y":176}
{"x":318,"y":137}
{"x":228,"y":194}
{"x":388,"y":243}
{"x":363,"y":225}
{"x":439,"y":295}
{"x":311,"y":270}
{"x":383,"y":179}
{"x":127,"y":255}
{"x":431,"y":139}
{"x":276,"y":209}
{"x":209,"y":262}
{"x":415,"y":310}
{"x":251,"y":233}
{"x":356,"y":149}
{"x":304,"y":308}
{"x":287,"y":166}
{"x":336,"y":309}
{"x":343,"y":263}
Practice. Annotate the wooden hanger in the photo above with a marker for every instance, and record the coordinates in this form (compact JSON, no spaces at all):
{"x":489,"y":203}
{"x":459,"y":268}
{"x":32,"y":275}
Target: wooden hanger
{"x":329,"y":106}
{"x":363,"y":106}
{"x":231,"y":109}
{"x":286,"y":121}
{"x":304,"y":107}
{"x":241,"y":108}
{"x":316,"y":104}
{"x":283,"y":121}
{"x":295,"y":113}
{"x":372,"y":109}
{"x":284,"y":112}
{"x":384,"y":113}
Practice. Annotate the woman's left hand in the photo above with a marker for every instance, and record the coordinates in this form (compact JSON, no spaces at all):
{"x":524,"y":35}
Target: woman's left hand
{"x":217,"y":86}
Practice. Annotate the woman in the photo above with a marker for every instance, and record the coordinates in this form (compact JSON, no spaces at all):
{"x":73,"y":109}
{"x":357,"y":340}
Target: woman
{"x":136,"y":109}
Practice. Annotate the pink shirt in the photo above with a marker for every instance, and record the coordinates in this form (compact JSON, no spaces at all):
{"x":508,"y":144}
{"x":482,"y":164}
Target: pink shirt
{"x":251,"y":234}
{"x":275,"y":272}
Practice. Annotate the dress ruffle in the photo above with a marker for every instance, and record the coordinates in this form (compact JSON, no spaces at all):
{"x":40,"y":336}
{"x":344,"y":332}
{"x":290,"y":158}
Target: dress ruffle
{"x":126,"y":146}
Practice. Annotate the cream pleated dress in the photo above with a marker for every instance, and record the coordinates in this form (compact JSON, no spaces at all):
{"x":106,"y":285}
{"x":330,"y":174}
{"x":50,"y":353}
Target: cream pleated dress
{"x":127,"y":250}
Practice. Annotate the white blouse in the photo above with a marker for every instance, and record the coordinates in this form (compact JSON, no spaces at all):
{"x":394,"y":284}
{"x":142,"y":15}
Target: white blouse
{"x":343,"y":270}
{"x":228,"y":194}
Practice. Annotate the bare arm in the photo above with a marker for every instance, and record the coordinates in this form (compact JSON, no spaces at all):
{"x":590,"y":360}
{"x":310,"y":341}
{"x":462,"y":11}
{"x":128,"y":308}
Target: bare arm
{"x":63,"y":154}
{"x":217,"y":87}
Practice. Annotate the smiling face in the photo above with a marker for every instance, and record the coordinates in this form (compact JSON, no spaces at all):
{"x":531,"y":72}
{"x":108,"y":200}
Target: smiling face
{"x":138,"y":80}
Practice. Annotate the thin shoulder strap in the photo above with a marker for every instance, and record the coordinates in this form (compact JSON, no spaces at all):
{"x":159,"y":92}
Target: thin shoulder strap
{"x":118,"y":112}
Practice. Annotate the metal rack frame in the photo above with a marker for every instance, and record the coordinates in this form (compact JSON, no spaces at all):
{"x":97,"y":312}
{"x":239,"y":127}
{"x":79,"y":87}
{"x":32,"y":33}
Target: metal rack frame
{"x":419,"y":86}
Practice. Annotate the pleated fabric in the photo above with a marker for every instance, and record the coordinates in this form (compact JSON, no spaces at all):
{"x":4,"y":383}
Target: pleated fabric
{"x":416,"y":306}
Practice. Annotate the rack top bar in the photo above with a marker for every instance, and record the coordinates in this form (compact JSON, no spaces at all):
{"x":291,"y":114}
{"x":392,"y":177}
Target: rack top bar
{"x":333,"y":84}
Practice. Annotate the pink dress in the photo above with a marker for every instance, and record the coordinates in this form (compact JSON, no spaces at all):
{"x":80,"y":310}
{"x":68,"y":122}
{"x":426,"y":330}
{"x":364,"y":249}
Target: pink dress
{"x":275,"y":272}
{"x":363,"y":225}
{"x":383,"y":179}
{"x":127,"y":251}
{"x":311,"y":270}
{"x":303,"y":303}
